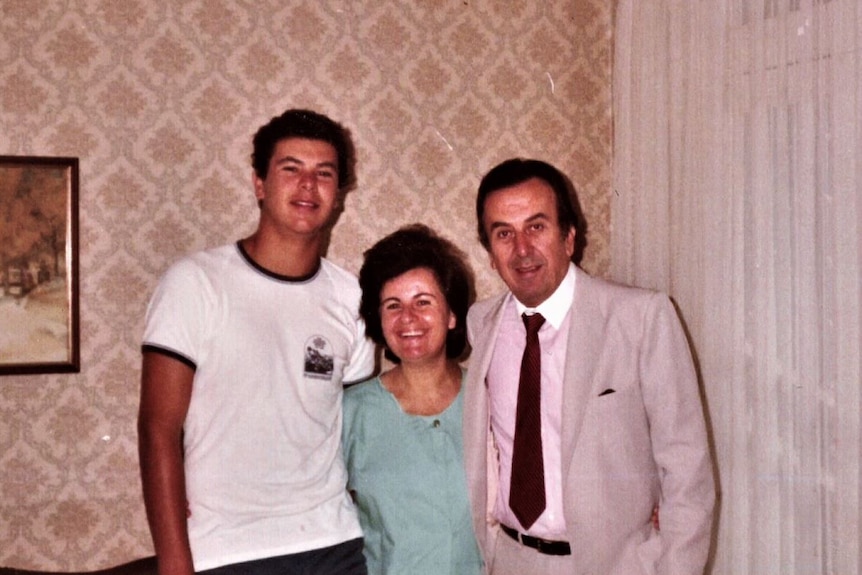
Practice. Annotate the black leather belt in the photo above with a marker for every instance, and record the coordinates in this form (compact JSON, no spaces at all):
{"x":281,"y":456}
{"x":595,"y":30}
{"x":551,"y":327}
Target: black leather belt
{"x":541,"y":545}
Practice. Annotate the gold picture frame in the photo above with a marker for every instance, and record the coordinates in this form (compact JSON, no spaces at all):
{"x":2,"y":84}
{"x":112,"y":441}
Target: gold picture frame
{"x":39,"y":316}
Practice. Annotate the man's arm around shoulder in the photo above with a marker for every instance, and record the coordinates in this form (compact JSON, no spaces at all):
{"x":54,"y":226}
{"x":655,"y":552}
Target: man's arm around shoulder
{"x":166,"y":386}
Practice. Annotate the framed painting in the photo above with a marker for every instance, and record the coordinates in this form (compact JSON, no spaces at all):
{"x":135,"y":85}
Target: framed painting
{"x":39,"y":321}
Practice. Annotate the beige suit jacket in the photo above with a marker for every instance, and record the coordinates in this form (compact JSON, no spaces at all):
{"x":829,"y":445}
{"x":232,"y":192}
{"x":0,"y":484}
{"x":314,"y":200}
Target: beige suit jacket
{"x":641,"y":444}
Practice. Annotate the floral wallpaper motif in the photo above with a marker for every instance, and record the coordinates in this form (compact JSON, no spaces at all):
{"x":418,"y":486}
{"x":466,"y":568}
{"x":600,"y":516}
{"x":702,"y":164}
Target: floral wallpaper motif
{"x":159,"y":99}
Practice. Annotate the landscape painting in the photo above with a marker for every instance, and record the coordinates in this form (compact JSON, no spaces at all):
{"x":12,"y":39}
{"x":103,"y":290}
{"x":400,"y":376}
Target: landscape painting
{"x":39,"y":329}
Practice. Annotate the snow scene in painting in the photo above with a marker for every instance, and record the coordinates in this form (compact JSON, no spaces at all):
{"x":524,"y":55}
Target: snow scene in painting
{"x":34,"y":328}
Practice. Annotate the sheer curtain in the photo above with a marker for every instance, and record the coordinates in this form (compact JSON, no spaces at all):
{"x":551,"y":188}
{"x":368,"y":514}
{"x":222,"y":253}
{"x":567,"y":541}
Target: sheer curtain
{"x":738,"y":190}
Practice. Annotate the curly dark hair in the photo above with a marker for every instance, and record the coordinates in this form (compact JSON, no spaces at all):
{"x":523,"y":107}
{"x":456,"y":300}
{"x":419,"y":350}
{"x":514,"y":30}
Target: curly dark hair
{"x":296,"y":123}
{"x":410,"y":247}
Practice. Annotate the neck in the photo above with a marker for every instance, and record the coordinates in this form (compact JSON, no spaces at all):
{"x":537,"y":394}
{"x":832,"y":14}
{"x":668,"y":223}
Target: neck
{"x":425,"y":389}
{"x":291,"y":257}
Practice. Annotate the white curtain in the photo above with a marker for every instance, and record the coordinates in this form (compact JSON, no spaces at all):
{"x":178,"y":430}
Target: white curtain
{"x":738,"y":178}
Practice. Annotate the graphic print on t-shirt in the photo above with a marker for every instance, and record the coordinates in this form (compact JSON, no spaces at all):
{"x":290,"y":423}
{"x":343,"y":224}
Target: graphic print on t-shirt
{"x":318,"y":358}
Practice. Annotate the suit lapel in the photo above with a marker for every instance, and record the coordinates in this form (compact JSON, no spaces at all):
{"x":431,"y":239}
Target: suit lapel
{"x":479,"y":461}
{"x":582,"y":355}
{"x":484,"y":338}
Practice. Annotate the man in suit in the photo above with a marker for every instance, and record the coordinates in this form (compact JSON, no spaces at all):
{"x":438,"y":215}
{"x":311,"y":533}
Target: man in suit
{"x":565,"y":478}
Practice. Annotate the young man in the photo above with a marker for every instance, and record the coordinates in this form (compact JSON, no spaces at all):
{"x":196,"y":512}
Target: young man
{"x":245,"y":350}
{"x":587,"y":406}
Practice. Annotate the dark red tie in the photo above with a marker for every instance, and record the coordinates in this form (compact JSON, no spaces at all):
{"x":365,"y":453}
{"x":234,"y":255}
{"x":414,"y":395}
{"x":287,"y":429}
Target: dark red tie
{"x":527,"y":489}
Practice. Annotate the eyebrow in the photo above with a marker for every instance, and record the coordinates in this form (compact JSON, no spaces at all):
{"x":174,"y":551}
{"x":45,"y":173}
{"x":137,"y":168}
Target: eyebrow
{"x":418,"y":295}
{"x":538,"y":216}
{"x":293,"y":160}
{"x":531,"y":219}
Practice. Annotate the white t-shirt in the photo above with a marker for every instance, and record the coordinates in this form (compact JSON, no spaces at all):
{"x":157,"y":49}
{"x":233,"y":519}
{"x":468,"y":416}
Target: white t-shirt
{"x":264,"y":473}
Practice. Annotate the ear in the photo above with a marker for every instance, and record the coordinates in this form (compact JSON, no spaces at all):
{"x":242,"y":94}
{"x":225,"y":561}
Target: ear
{"x":257,"y":183}
{"x":453,"y":321}
{"x":570,"y":241}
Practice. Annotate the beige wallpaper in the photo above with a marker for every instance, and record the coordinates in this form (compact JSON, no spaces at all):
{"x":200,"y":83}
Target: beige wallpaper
{"x":159,"y":98}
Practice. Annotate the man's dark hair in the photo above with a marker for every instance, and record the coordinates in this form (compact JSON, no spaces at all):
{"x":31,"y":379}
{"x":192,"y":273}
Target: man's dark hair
{"x":517,"y":171}
{"x":411,"y":247}
{"x":306,"y":124}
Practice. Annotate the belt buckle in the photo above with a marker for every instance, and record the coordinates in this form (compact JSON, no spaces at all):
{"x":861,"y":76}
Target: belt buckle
{"x":538,"y":545}
{"x":544,"y":547}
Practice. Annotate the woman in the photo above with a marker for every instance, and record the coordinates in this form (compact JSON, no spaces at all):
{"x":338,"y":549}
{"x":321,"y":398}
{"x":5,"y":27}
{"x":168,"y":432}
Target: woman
{"x":402,"y":430}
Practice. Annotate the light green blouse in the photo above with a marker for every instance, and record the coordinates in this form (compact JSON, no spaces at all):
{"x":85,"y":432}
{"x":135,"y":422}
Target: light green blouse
{"x":407,"y":474}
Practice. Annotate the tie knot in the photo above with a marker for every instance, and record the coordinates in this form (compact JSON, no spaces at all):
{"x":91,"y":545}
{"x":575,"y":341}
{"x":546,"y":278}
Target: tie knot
{"x":533,"y":322}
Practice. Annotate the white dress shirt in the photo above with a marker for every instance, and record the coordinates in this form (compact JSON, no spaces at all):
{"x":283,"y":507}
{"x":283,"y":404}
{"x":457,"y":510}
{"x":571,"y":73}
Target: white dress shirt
{"x":503,"y":376}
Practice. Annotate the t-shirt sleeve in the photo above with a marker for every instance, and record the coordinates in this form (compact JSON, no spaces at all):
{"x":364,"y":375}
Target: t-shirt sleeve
{"x":176,"y":316}
{"x":361,"y":363}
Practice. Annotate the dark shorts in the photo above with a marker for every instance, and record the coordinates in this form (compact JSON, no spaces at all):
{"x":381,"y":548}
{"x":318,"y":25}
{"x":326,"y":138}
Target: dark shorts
{"x":342,"y":559}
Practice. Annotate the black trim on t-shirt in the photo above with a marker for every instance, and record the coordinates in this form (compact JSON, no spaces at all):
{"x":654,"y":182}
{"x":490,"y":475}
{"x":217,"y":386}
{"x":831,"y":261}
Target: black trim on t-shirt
{"x":148,"y":347}
{"x":272,"y":274}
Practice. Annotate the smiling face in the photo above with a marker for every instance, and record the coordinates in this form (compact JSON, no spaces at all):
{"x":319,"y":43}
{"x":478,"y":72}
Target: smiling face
{"x":300,"y":192}
{"x":415,"y":317}
{"x":527,"y":247}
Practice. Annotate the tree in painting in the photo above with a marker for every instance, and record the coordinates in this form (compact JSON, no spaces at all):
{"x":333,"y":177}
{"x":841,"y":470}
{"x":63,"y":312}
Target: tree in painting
{"x":33,"y":218}
{"x":34,"y":306}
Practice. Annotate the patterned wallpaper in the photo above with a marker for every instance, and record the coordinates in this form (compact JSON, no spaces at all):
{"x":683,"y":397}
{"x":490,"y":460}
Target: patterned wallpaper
{"x":159,"y":99}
